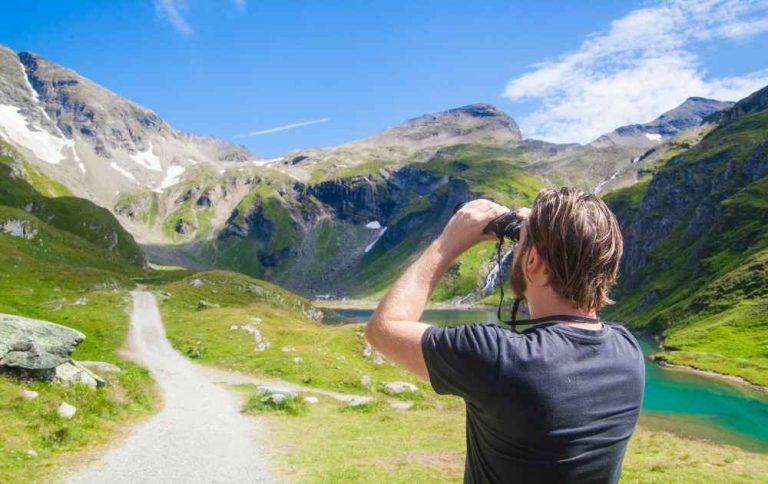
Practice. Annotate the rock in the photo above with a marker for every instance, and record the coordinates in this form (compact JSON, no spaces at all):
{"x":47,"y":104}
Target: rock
{"x":234,"y":327}
{"x":29,"y":394}
{"x":18,"y":228}
{"x":378,"y":359}
{"x":401,"y":405}
{"x":365,"y":381}
{"x":66,"y":410}
{"x":359,"y":401}
{"x":276,"y":398}
{"x":81,"y":301}
{"x":101,"y":366}
{"x":32,"y":453}
{"x":398,"y":387}
{"x":297,"y":359}
{"x":196,"y":282}
{"x":34,"y":348}
{"x":270,"y":390}
{"x":203,"y":305}
{"x":288,"y":349}
{"x":73,"y":372}
{"x":311,"y":400}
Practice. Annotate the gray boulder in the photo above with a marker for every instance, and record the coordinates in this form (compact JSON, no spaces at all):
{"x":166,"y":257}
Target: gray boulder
{"x":398,"y":387}
{"x":34,"y":348}
{"x":74,"y":372}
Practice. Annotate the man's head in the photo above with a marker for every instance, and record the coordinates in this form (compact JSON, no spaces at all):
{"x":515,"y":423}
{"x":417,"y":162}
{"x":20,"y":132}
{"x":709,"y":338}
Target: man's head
{"x":571,"y":245}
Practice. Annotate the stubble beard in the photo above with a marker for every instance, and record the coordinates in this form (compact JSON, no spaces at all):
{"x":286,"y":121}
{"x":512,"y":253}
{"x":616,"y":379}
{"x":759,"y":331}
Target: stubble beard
{"x":517,"y":278}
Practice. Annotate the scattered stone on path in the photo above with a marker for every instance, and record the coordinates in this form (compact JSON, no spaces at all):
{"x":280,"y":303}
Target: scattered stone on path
{"x":101,"y":366}
{"x":74,"y":372}
{"x":407,"y":405}
{"x":311,"y":400}
{"x":66,"y":410}
{"x":359,"y":401}
{"x":398,"y":387}
{"x":29,"y":394}
{"x":34,"y":348}
{"x":365,"y":381}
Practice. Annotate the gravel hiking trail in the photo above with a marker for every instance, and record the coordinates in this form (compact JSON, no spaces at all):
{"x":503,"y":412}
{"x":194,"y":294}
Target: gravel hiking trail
{"x":199,"y":436}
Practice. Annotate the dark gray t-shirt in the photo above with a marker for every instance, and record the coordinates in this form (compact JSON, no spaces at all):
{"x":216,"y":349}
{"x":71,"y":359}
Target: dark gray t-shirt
{"x":554,"y":403}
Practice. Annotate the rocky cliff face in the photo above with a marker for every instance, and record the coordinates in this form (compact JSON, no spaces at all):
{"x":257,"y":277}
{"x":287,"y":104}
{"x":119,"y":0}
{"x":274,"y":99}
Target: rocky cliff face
{"x":92,"y":140}
{"x":318,"y":239}
{"x":698,"y":219}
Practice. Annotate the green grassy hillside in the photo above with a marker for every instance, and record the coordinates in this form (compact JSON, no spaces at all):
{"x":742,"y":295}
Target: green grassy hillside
{"x":696,"y":265}
{"x":24,"y":186}
{"x":61,"y":272}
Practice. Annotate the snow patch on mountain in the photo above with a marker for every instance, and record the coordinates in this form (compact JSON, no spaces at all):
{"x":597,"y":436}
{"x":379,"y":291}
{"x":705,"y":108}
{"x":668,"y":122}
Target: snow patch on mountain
{"x":172,"y":176}
{"x":122,"y":170}
{"x":373,"y":225}
{"x":653,"y":137}
{"x":147,"y":159}
{"x":44,"y":145}
{"x":378,"y":236}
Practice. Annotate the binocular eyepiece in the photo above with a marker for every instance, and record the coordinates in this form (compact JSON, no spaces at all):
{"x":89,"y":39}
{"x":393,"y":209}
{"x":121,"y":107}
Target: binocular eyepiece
{"x":504,"y":226}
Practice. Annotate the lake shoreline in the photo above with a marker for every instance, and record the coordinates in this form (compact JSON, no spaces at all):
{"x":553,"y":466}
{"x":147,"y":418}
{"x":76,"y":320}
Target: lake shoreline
{"x":659,"y":360}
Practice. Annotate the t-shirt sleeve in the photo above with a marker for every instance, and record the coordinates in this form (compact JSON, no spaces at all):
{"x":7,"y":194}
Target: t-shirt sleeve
{"x":462,"y":360}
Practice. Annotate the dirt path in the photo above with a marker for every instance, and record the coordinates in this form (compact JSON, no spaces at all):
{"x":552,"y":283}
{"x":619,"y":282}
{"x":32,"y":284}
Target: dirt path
{"x":200,"y":436}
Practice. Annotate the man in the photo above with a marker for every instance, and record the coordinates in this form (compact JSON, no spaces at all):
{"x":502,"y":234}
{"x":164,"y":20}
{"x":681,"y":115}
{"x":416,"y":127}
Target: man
{"x":557,"y":402}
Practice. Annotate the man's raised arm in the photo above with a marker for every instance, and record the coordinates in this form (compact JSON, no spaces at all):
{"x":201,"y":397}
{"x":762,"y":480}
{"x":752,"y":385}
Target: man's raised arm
{"x":393,"y":329}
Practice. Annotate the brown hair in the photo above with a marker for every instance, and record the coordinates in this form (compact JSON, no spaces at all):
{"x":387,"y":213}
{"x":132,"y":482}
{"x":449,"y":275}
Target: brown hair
{"x":578,"y":237}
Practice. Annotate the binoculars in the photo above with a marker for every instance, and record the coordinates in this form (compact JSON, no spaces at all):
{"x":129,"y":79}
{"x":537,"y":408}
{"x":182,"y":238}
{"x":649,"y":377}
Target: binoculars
{"x":503,"y":226}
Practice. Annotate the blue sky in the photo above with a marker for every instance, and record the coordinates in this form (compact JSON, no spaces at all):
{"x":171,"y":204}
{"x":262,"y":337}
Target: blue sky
{"x":334,"y":71}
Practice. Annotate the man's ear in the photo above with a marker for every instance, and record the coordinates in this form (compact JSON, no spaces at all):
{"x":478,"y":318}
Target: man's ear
{"x":536,"y":271}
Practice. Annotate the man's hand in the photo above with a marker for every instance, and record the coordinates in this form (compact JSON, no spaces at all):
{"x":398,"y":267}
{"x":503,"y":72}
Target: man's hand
{"x":465,"y":228}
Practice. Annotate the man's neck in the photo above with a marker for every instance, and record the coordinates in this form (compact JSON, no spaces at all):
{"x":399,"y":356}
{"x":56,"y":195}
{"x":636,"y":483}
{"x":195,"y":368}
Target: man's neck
{"x":559,"y":307}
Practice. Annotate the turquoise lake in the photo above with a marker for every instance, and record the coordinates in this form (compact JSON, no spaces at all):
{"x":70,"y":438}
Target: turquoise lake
{"x":677,"y":401}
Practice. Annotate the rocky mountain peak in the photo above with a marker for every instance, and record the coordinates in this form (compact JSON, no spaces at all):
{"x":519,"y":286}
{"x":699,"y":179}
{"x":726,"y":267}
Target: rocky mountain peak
{"x":474,"y":123}
{"x":689,"y":114}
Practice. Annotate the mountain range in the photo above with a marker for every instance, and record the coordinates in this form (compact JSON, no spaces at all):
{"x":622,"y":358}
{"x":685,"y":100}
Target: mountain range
{"x":689,"y":188}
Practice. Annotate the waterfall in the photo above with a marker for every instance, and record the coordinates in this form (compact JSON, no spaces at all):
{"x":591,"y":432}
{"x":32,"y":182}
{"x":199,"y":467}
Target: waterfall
{"x":493,"y":276}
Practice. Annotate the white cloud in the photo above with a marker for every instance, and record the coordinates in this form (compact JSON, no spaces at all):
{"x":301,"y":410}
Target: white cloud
{"x":239,"y":4}
{"x":645,"y":64}
{"x":282,"y":128}
{"x":172,"y":10}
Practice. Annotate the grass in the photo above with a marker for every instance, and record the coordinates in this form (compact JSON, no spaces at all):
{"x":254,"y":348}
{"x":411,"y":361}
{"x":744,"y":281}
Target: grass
{"x":61,"y":278}
{"x":330,"y":442}
{"x":73,"y":271}
{"x":329,"y":356}
{"x":427,"y":444}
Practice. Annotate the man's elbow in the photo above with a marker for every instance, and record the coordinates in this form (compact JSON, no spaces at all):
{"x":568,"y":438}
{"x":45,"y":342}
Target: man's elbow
{"x":374,"y":331}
